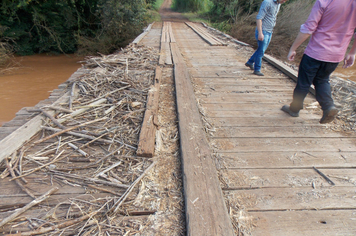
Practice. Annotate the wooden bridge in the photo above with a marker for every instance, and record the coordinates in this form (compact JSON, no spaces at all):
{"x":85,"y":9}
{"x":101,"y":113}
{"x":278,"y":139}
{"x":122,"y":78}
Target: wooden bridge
{"x":249,"y":168}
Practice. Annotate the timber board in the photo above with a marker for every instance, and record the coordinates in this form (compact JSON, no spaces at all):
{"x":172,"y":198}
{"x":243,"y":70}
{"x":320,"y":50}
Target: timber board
{"x":263,"y":113}
{"x":285,"y":144}
{"x":311,"y":131}
{"x":288,"y":178}
{"x":306,"y":223}
{"x":287,"y":159}
{"x":277,"y":122}
{"x":246,"y":106}
{"x":297,"y":198}
{"x":212,"y":98}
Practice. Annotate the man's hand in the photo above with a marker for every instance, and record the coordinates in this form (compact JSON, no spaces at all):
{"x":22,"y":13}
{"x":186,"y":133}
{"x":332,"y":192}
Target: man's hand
{"x":349,"y":61}
{"x":260,"y":36}
{"x":291,"y":55}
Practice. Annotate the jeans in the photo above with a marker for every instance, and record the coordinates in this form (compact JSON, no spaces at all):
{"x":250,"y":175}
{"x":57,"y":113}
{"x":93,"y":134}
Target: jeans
{"x":260,"y":51}
{"x":312,"y":71}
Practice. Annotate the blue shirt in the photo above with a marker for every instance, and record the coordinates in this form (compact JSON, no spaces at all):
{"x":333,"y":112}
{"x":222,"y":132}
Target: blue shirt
{"x":268,"y":14}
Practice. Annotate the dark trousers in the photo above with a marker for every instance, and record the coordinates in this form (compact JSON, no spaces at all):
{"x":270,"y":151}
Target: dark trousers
{"x":315,"y":72}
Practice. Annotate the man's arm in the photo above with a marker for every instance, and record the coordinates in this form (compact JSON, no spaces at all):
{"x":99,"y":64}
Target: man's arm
{"x":350,"y":57}
{"x":301,"y":37}
{"x":259,"y":29}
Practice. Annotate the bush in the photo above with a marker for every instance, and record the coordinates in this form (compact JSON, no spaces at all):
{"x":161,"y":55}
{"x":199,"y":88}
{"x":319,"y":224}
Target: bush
{"x":63,"y":26}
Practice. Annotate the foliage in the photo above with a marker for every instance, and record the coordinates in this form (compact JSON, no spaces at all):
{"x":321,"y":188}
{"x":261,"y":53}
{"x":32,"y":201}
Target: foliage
{"x":63,"y":26}
{"x":192,"y":5}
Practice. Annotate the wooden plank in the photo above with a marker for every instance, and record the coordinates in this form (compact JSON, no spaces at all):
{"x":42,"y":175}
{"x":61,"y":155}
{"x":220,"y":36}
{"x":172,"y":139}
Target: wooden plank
{"x":264,"y":113}
{"x":213,"y":41}
{"x":286,"y":178}
{"x":285,"y":144}
{"x":206,"y":211}
{"x":306,"y":223}
{"x":146,"y":145}
{"x":310,"y":131}
{"x":288,"y":159}
{"x":55,"y":199}
{"x":277,"y":122}
{"x":218,"y":81}
{"x":247,"y":89}
{"x":301,"y":198}
{"x":138,"y":39}
{"x":15,"y":140}
{"x":285,"y":69}
{"x":240,"y":106}
{"x":245,"y":98}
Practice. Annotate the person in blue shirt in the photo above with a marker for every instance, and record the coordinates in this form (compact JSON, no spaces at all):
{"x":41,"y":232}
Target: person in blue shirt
{"x":265,"y":20}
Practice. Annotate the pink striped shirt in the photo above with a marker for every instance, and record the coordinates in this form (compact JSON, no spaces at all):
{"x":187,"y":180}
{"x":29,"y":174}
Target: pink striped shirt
{"x":331,"y":24}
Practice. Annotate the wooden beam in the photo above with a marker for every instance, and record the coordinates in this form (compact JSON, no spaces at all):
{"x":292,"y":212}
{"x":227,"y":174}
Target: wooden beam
{"x":143,"y":34}
{"x":146,"y":145}
{"x":17,"y":138}
{"x":206,"y":212}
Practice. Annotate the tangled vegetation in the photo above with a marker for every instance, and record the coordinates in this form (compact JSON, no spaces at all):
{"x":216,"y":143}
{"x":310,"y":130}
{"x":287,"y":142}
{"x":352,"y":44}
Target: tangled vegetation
{"x":66,"y":26}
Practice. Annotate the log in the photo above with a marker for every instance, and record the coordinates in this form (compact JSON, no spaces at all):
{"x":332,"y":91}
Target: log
{"x":146,"y":145}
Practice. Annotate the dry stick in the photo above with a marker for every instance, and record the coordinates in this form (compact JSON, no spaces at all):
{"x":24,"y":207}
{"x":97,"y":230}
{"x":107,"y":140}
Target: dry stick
{"x":89,"y":179}
{"x":105,"y":95}
{"x":71,"y":96}
{"x":78,"y":134}
{"x":17,"y":181}
{"x":58,"y":109}
{"x":40,"y":167}
{"x":129,"y":190}
{"x":78,"y":150}
{"x":28,"y":206}
{"x":324,"y":176}
{"x":82,"y":110}
{"x":55,"y":227}
{"x":108,"y":169}
{"x":69,"y":129}
{"x":53,"y":119}
{"x":103,"y":189}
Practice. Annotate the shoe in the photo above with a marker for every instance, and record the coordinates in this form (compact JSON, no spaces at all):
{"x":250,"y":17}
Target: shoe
{"x":259,"y":73}
{"x":329,"y":115}
{"x":249,"y":65}
{"x":287,"y":109}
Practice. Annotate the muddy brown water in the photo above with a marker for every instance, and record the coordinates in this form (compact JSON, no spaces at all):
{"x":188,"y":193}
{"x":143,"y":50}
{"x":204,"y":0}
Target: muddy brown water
{"x":33,"y":81}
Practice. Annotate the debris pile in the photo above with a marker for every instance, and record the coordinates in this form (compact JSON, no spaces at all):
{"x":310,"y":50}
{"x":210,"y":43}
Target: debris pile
{"x":80,"y":175}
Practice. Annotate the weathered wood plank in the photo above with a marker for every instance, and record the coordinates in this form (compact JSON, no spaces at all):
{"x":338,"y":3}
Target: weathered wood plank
{"x":288,"y":159}
{"x":275,"y":121}
{"x":206,"y":212}
{"x":138,"y":39}
{"x":286,"y":178}
{"x":285,"y":144}
{"x":13,"y":141}
{"x":146,"y":145}
{"x":301,"y":198}
{"x":265,"y":113}
{"x":310,"y":131}
{"x":306,"y":223}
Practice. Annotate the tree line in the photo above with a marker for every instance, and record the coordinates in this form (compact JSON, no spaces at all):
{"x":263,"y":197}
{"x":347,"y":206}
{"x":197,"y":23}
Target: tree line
{"x":68,"y":26}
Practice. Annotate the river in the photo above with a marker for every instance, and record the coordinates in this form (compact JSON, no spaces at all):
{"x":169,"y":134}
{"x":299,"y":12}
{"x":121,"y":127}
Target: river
{"x":38,"y":75}
{"x":33,"y":80}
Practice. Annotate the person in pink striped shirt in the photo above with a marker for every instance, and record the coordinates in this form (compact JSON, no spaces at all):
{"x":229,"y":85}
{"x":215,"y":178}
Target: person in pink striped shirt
{"x":331,"y":25}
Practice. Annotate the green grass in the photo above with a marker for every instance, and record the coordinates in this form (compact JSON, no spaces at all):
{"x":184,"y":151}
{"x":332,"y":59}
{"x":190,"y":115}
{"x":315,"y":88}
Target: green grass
{"x":196,"y":17}
{"x":157,"y":4}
